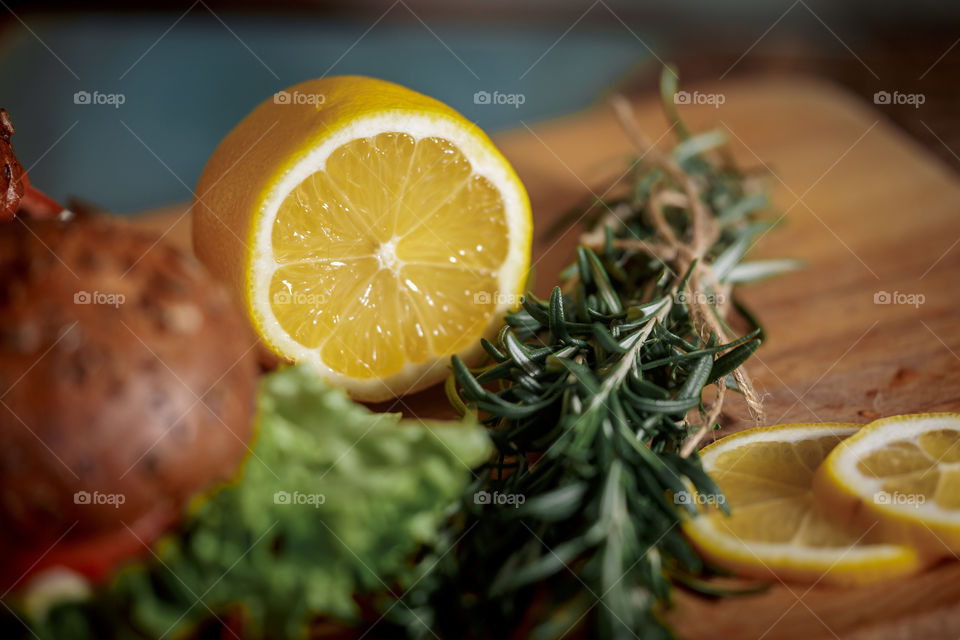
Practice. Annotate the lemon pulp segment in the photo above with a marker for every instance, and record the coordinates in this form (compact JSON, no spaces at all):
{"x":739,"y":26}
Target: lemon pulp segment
{"x":768,"y":488}
{"x":925,"y":467}
{"x":777,"y":527}
{"x":899,"y":479}
{"x":388,"y":255}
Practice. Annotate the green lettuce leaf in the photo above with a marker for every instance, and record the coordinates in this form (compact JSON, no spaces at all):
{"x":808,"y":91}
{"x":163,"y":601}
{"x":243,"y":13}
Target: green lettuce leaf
{"x":333,"y":501}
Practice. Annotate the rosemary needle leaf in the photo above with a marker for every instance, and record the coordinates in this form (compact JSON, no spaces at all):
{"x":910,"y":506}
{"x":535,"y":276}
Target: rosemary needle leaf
{"x":582,"y":374}
{"x":558,"y":326}
{"x":743,"y":207}
{"x":605,"y":340}
{"x":668,"y":90}
{"x":535,"y":308}
{"x":761,"y":269}
{"x":647,"y":389}
{"x":693,"y":386}
{"x":730,"y":361}
{"x":601,"y":279}
{"x":470,"y":386}
{"x":696,"y":145}
{"x":678,"y":405}
{"x":519,"y":354}
{"x":555,"y":505}
{"x":544,"y":566}
{"x":587,"y":397}
{"x":492,"y":351}
{"x":727,"y":260}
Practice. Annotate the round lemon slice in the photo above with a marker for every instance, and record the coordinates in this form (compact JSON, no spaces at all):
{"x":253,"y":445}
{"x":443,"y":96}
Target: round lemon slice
{"x":776,"y":528}
{"x":899,"y":479}
{"x":368,"y":230}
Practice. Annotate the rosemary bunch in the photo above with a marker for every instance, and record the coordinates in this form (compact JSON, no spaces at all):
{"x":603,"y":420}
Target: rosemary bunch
{"x":590,"y":397}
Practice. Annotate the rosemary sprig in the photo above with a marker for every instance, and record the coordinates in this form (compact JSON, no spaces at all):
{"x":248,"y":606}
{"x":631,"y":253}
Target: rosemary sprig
{"x":590,"y":397}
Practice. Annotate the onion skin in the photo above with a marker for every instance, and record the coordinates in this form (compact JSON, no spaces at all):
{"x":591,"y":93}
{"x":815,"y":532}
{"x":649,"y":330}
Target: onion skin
{"x":125,"y":373}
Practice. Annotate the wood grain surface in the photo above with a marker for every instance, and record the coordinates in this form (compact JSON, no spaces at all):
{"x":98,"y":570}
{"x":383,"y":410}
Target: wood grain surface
{"x":870,"y":212}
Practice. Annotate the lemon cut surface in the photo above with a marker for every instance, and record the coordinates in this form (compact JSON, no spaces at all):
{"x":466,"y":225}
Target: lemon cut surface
{"x":777,"y":528}
{"x":899,"y":479}
{"x":377,"y":232}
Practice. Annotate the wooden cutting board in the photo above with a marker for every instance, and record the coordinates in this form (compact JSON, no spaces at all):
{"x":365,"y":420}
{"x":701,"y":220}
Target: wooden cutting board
{"x":872,"y":213}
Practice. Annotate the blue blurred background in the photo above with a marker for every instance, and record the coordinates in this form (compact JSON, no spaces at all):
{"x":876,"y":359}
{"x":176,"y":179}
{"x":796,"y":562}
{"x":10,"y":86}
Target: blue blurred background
{"x":186,"y":73}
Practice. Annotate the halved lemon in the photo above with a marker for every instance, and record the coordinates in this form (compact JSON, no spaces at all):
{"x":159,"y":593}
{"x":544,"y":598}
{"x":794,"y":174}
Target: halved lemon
{"x":899,"y":479}
{"x":776,"y":528}
{"x":368,"y":230}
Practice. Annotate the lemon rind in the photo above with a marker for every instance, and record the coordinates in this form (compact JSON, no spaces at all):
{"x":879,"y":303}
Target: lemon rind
{"x":831,"y":565}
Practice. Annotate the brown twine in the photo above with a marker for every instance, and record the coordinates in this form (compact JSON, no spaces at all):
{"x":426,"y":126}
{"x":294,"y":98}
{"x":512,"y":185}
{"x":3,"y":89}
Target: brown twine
{"x":682,"y":253}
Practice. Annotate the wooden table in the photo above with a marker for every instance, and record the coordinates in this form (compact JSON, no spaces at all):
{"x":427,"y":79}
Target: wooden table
{"x":871,"y":213}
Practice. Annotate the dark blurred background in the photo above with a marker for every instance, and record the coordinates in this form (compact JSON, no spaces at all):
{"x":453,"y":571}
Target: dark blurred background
{"x":122,"y":107}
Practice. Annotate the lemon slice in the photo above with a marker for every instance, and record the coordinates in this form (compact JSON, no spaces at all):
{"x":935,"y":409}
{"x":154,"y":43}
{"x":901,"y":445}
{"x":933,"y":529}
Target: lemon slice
{"x":368,"y":230}
{"x":776,"y":528}
{"x":899,"y":479}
